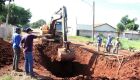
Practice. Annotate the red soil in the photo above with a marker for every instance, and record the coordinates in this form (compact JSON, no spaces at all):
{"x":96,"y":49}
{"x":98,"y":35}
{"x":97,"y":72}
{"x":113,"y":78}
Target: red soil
{"x":88,"y":64}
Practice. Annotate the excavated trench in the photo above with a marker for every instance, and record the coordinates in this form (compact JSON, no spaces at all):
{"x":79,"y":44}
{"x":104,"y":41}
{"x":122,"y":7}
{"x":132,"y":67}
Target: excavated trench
{"x":61,"y":68}
{"x":82,"y":66}
{"x":88,"y":64}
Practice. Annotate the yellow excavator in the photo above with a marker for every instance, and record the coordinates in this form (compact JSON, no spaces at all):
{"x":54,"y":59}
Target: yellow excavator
{"x":57,"y":32}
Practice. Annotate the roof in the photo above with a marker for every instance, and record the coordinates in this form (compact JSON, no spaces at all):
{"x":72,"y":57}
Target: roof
{"x":89,"y":27}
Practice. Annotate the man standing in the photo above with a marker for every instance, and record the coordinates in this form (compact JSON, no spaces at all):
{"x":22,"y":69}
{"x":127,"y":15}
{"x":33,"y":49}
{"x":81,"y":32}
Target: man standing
{"x":117,"y":45}
{"x":109,"y":43}
{"x":52,"y":26}
{"x":16,"y":38}
{"x":27,"y":44}
{"x":99,"y":42}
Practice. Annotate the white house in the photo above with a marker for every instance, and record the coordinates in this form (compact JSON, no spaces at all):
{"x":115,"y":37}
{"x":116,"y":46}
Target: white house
{"x":105,"y":29}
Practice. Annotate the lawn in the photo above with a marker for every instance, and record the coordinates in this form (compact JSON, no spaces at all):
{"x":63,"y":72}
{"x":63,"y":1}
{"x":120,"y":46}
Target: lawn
{"x":80,"y":39}
{"x":6,"y":77}
{"x":130,"y":43}
{"x":126,"y":44}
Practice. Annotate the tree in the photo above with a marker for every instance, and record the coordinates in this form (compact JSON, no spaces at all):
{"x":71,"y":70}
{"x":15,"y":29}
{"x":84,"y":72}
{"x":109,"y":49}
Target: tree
{"x":128,"y":23}
{"x":120,"y":28}
{"x":2,"y":3}
{"x":38,"y":23}
{"x":18,"y":15}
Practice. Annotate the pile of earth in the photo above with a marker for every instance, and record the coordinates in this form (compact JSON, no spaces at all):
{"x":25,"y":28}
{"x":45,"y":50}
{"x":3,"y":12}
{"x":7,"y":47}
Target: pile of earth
{"x":6,"y":53}
{"x":88,"y":63}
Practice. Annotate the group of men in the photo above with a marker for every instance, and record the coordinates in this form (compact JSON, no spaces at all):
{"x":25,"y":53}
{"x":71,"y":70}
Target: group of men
{"x":109,"y":44}
{"x":27,"y":45}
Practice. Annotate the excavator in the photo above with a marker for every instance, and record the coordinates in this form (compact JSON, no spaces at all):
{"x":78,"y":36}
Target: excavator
{"x":57,"y":32}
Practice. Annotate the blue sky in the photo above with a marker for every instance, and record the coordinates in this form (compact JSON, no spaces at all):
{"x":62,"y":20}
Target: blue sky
{"x":106,"y":11}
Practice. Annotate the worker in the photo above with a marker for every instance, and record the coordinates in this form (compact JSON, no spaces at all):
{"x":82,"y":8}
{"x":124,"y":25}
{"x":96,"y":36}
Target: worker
{"x":116,"y":46}
{"x":27,"y":44}
{"x":16,"y":39}
{"x":52,"y":26}
{"x":108,"y":43}
{"x":99,"y":42}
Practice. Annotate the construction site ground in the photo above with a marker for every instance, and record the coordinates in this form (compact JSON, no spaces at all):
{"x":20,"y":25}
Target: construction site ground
{"x":87,"y":65}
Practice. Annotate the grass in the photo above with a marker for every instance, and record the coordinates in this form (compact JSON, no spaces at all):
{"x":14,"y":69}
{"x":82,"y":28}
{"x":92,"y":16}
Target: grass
{"x":126,"y":44}
{"x":6,"y":77}
{"x":80,"y":39}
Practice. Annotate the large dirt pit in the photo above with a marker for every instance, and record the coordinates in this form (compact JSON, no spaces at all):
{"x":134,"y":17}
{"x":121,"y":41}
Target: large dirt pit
{"x":88,"y":64}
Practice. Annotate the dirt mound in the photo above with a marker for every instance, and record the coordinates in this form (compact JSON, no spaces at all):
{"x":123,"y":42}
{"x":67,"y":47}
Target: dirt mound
{"x":6,"y":53}
{"x":87,"y":63}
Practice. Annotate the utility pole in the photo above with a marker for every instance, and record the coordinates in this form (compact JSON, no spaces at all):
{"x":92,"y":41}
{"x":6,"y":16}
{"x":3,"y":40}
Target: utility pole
{"x":7,"y":17}
{"x":93,"y":31}
{"x":93,"y":20}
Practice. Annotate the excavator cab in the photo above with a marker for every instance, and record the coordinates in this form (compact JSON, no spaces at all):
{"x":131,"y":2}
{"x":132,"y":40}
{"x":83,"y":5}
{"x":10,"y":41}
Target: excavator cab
{"x":58,"y":33}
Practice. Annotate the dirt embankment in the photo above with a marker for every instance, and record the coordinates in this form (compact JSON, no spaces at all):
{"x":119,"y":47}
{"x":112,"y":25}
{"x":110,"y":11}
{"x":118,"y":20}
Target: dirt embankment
{"x":6,"y":53}
{"x":88,"y":64}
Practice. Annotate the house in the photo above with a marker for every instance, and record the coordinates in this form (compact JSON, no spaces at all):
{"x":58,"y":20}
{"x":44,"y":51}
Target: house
{"x":105,"y":29}
{"x":132,"y":35}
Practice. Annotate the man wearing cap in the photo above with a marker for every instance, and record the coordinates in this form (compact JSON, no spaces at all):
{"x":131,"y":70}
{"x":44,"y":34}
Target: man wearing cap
{"x":16,"y":38}
{"x":27,"y":44}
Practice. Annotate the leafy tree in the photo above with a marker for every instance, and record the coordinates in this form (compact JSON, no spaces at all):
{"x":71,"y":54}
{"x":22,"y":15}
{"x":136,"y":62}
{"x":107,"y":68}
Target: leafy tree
{"x":38,"y":23}
{"x":18,"y":15}
{"x":120,"y":28}
{"x":2,"y":3}
{"x":126,"y":23}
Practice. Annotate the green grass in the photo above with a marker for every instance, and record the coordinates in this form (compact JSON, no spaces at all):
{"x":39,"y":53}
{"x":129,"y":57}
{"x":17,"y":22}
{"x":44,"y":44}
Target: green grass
{"x":6,"y":77}
{"x":80,"y":39}
{"x":126,"y":44}
{"x":130,"y":43}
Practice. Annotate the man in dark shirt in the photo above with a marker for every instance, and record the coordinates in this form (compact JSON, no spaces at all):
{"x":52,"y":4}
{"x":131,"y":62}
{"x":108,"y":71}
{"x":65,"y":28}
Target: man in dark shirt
{"x":52,"y":26}
{"x":27,"y":44}
{"x":99,"y":42}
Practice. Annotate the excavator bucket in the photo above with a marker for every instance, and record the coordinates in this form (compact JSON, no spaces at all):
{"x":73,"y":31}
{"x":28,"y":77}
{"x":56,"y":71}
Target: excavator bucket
{"x":65,"y":54}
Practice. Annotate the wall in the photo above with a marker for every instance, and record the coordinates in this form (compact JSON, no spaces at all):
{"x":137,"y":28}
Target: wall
{"x":132,"y":36}
{"x":88,"y":33}
{"x":6,"y":31}
{"x":104,"y":27}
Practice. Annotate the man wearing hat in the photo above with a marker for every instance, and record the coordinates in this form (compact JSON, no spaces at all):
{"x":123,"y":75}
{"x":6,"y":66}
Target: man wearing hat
{"x":27,"y":44}
{"x":16,"y":38}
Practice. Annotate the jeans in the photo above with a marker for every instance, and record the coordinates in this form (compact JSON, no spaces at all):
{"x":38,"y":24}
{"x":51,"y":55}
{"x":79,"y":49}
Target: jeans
{"x":28,"y":64}
{"x":16,"y":58}
{"x":108,"y":48}
{"x":98,"y":46}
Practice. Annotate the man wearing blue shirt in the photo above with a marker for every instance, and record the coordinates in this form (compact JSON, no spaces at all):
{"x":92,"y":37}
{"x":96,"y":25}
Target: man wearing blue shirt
{"x":16,"y":39}
{"x":99,"y":42}
{"x":108,"y":43}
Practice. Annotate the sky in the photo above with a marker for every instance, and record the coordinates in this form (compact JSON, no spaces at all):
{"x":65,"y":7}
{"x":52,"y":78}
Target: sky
{"x":81,"y":11}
